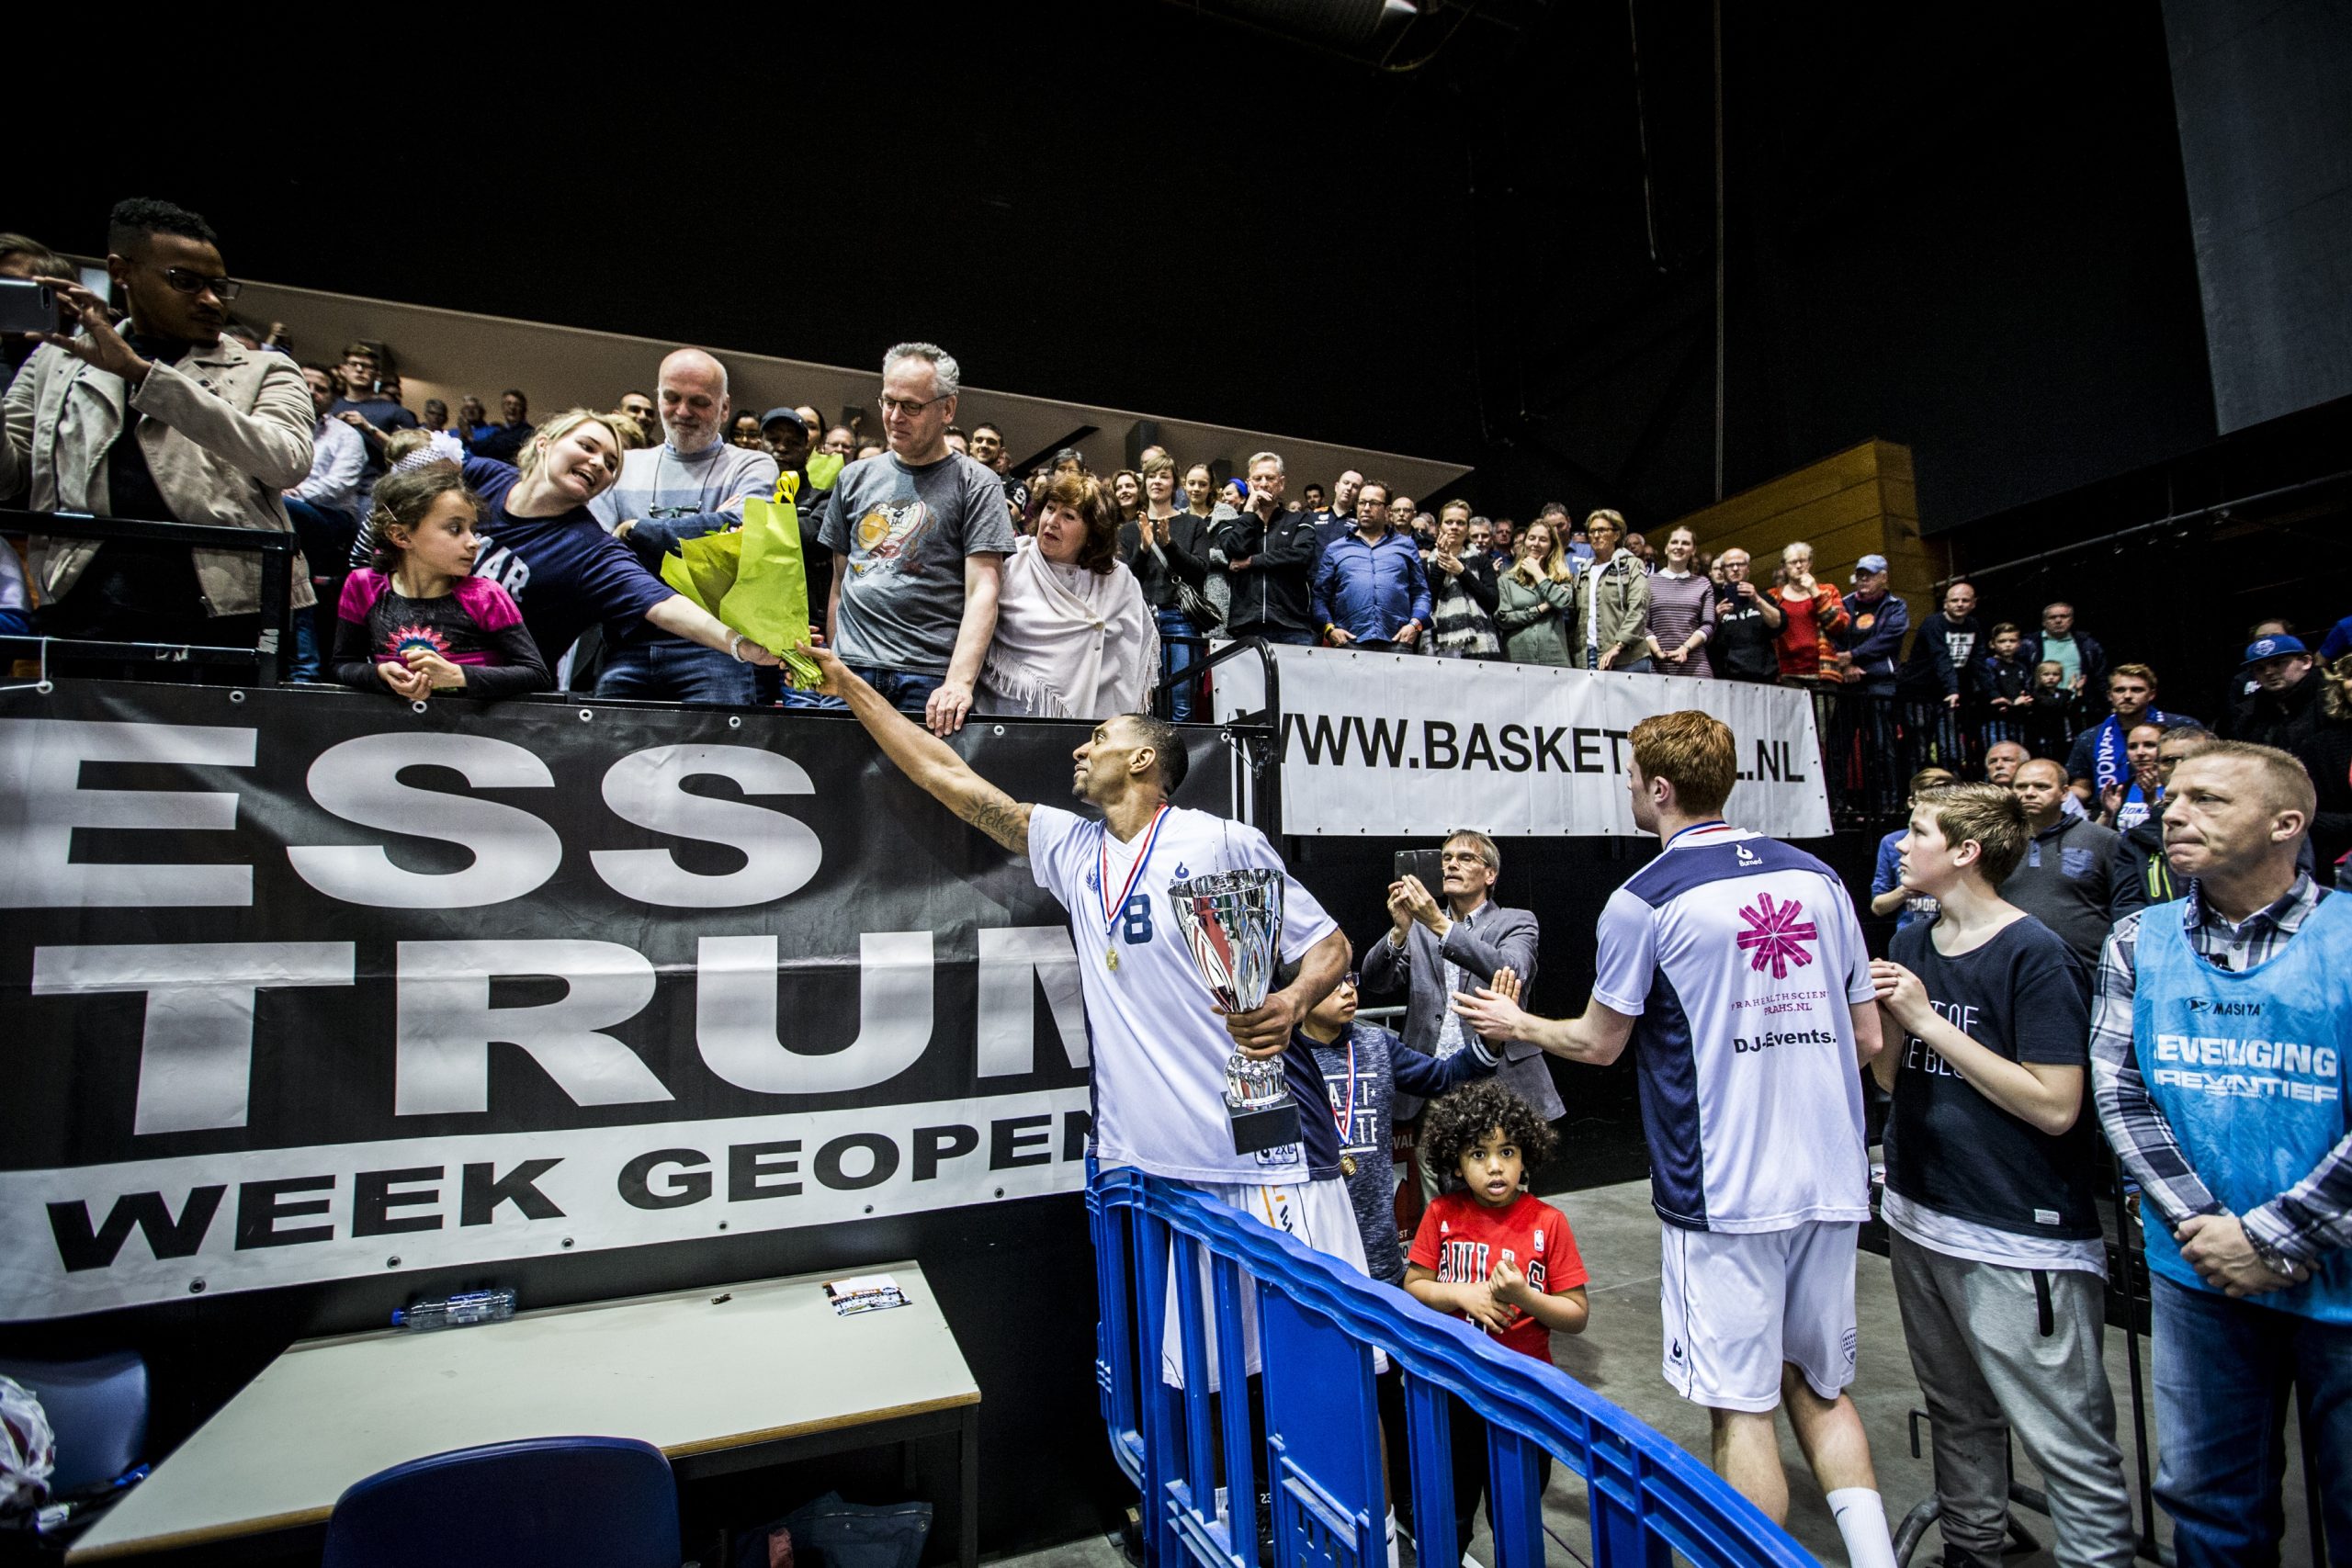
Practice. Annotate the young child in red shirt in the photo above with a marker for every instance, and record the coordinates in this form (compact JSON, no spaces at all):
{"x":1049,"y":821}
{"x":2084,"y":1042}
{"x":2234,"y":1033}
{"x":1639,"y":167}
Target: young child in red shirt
{"x":1489,"y":1252}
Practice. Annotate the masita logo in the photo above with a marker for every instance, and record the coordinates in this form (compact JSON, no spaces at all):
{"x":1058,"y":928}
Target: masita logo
{"x":1775,"y":936}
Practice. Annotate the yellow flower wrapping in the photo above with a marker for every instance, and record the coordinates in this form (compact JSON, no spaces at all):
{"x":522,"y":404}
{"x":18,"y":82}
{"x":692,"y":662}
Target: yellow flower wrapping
{"x":752,"y":579}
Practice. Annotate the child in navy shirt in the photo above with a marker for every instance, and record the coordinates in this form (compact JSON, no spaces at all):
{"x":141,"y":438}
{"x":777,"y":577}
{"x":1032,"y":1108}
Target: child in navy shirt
{"x":1991,"y":1167}
{"x":1364,"y":1068}
{"x":2007,"y":683}
{"x":417,"y":620}
{"x":2050,"y":716}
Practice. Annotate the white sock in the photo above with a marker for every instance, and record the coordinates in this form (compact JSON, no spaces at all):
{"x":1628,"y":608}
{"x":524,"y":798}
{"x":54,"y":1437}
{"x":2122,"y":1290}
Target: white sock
{"x":1862,"y":1524}
{"x":1392,"y":1538}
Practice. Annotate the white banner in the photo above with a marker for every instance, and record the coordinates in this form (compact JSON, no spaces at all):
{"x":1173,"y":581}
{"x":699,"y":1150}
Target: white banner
{"x":1402,"y":746}
{"x":162,"y":1230}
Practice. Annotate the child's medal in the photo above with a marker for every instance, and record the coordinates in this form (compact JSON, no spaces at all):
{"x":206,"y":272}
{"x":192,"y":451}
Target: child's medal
{"x":1347,"y":1122}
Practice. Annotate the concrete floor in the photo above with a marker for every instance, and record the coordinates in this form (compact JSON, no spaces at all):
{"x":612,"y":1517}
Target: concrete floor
{"x":1618,"y":1357}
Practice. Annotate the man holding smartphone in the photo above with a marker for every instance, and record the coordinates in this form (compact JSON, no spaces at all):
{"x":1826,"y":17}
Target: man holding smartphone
{"x":170,"y":421}
{"x":1436,"y":941}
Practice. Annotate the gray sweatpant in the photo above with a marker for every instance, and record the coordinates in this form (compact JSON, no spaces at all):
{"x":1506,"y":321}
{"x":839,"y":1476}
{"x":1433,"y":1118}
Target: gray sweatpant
{"x":1989,"y":1367}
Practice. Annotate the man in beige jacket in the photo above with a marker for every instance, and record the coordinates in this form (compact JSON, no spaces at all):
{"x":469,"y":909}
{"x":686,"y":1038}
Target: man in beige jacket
{"x":164,"y":420}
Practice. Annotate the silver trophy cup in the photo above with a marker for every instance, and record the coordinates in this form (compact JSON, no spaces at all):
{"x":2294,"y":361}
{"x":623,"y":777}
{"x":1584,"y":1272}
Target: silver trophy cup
{"x":1233,"y":922}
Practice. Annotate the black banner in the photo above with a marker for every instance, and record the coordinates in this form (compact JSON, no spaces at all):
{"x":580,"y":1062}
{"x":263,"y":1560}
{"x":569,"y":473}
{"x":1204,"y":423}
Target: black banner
{"x":305,"y":985}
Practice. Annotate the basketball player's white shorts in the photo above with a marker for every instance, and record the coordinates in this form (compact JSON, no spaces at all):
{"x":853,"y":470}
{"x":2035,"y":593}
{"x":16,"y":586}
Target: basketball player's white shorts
{"x":1316,"y":1213}
{"x":1739,"y":1305}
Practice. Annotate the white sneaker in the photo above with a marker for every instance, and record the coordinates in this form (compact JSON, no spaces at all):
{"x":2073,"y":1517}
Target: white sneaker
{"x":1470,"y":1561}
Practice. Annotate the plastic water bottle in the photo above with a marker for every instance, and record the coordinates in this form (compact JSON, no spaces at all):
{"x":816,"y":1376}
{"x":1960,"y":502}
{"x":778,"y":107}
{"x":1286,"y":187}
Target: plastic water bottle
{"x":455,"y":1311}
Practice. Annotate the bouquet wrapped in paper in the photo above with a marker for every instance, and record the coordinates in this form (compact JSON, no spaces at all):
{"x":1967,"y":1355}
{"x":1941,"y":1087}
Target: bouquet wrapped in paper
{"x":754,"y":579}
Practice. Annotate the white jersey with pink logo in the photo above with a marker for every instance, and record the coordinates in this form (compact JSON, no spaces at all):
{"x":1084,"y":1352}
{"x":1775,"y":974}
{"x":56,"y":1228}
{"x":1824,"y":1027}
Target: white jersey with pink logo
{"x":1739,"y":956}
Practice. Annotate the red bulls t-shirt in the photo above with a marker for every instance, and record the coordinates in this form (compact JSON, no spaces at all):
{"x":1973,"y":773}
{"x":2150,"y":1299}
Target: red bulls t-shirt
{"x":1461,"y":1240}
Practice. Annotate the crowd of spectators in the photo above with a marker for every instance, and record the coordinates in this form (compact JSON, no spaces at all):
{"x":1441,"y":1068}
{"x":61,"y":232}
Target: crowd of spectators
{"x":959,"y":584}
{"x":455,"y":553}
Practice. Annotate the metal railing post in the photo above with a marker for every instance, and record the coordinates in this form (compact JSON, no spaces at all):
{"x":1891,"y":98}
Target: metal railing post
{"x":276,"y":551}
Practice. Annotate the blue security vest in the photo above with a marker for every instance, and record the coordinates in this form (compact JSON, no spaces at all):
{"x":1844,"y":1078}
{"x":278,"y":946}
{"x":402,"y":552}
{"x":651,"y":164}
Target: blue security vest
{"x":2249,"y":1069}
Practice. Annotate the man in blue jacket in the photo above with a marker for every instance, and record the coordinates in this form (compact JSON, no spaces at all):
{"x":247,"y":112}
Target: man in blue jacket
{"x":1370,"y":591}
{"x":1877,"y":622}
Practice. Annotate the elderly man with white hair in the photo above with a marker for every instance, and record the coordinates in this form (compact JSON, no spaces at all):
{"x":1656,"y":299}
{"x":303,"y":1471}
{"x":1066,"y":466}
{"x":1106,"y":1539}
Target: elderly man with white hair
{"x":694,"y":483}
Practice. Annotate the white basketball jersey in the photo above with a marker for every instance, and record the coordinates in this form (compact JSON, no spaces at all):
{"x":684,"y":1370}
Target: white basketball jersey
{"x":1159,"y":1052}
{"x":1739,"y":956}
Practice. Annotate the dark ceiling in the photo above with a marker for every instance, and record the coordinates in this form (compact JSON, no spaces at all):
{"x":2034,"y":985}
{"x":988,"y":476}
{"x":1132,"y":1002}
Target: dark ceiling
{"x":1959,"y":228}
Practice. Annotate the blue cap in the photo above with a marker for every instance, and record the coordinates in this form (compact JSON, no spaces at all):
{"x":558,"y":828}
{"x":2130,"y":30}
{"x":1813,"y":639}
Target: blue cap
{"x":2275,"y":647}
{"x":1869,"y":564}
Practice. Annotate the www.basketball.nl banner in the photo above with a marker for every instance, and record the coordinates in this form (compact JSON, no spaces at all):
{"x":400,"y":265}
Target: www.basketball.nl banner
{"x":1391,"y":744}
{"x":304,"y":987}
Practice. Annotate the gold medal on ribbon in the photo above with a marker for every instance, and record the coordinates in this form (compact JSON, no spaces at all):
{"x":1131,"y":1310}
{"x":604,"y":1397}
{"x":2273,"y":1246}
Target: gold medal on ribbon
{"x":1346,"y":1165}
{"x":1114,"y":909}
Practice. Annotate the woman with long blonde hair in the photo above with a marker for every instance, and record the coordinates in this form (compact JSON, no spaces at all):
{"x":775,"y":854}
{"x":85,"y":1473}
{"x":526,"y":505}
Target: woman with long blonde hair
{"x":540,"y":543}
{"x":1536,"y":600}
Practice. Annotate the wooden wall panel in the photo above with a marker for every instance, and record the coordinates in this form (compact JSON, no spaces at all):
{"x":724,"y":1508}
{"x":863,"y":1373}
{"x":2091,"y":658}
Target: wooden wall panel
{"x":1859,"y":502}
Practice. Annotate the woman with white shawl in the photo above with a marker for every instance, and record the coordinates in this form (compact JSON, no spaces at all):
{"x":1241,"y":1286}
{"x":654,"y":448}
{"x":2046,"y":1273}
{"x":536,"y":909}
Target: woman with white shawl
{"x":1074,"y":639}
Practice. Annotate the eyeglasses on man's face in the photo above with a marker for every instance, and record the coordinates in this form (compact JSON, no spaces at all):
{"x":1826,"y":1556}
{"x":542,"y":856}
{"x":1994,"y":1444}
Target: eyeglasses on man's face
{"x":190,"y":282}
{"x":908,"y":406}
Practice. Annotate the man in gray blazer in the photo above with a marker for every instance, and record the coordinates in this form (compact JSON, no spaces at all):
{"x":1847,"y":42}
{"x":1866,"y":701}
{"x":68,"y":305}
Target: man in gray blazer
{"x":1438,"y":945}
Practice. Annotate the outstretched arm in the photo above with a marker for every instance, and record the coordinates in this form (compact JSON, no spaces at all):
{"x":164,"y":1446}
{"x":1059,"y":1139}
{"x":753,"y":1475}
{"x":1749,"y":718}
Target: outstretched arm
{"x":1599,"y":1037}
{"x":926,"y":758}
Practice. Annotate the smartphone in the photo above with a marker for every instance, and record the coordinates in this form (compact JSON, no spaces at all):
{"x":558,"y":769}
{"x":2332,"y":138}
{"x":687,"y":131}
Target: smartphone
{"x":27,"y":305}
{"x":1426,"y":864}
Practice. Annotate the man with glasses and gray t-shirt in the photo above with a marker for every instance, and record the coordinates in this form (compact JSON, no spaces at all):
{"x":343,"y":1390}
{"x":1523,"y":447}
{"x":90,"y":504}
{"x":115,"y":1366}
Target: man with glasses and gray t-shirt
{"x":918,"y":535}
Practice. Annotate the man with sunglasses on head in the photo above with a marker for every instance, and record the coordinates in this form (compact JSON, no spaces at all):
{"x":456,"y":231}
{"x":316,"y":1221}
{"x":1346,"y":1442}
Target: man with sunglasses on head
{"x":170,"y":421}
{"x":918,"y":535}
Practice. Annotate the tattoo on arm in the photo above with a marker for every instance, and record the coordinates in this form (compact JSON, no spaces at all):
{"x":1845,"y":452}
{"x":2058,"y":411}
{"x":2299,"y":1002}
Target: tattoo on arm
{"x":999,"y":816}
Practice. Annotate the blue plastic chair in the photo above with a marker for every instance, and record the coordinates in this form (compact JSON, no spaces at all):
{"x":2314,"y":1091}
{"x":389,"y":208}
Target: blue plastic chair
{"x":98,"y":1408}
{"x":538,"y":1502}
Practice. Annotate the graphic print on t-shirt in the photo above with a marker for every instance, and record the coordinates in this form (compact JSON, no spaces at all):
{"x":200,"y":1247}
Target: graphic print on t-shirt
{"x":1741,"y":959}
{"x":1358,"y":1124}
{"x":1775,"y":936}
{"x":1462,"y":1262}
{"x":891,"y":533}
{"x":503,"y":567}
{"x":401,"y":639}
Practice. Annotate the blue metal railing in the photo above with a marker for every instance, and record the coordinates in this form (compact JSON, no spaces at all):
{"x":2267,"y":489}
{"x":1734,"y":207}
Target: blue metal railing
{"x":1319,"y":1323}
